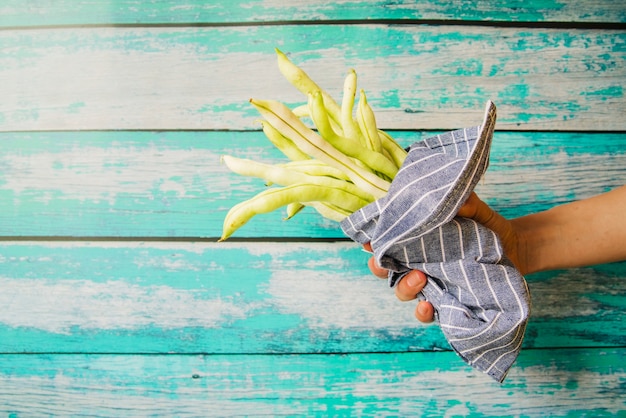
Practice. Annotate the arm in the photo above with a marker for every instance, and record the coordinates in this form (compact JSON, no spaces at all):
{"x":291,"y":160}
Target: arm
{"x":583,"y":233}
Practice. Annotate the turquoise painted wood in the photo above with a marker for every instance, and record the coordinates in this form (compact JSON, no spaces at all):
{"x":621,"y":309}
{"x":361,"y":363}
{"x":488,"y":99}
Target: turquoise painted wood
{"x":574,"y":382}
{"x":116,"y":299}
{"x":172,"y":184}
{"x":417,"y":77}
{"x":139,"y":297}
{"x":106,"y":12}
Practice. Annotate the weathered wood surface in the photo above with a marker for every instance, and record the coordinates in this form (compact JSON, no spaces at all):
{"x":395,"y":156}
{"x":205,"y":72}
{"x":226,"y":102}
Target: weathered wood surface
{"x":416,"y":77}
{"x":112,"y":297}
{"x":172,"y":184}
{"x":117,"y":302}
{"x":107,"y":12}
{"x":545,"y":383}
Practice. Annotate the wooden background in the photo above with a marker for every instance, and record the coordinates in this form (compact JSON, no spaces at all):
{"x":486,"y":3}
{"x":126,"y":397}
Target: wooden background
{"x":115,"y":299}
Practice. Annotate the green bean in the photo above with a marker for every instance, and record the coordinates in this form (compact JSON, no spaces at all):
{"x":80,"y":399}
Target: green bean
{"x":330,"y":211}
{"x":315,"y":168}
{"x":367,"y":122}
{"x":347,"y":164}
{"x":350,"y":128}
{"x":284,"y":144}
{"x":290,"y":126}
{"x":372,"y":159}
{"x":301,"y":80}
{"x":293,"y":209}
{"x":397,"y":153}
{"x":274,"y":198}
{"x":301,"y":111}
{"x":285,"y":177}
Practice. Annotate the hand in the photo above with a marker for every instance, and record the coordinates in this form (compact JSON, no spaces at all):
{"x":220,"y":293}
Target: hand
{"x":577,"y":234}
{"x":414,"y":281}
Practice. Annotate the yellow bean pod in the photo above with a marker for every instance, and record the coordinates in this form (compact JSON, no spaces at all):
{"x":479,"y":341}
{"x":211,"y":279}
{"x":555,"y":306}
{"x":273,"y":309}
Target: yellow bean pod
{"x":371,"y":158}
{"x":293,"y":209}
{"x":284,"y":144}
{"x":367,"y":123}
{"x":397,"y":153}
{"x":274,"y":198}
{"x":301,"y":80}
{"x":348,"y":125}
{"x":275,"y":174}
{"x":290,"y":126}
{"x":314,"y":167}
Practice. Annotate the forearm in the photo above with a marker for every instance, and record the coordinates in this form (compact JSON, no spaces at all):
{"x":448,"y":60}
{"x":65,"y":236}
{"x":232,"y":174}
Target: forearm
{"x":582,"y":233}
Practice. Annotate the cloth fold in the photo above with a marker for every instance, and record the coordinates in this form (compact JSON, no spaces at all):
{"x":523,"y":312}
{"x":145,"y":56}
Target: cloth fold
{"x":482,"y":302}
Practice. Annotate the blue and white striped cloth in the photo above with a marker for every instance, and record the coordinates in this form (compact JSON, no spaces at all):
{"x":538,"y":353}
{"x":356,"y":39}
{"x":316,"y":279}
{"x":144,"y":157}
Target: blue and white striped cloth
{"x":481,"y":301}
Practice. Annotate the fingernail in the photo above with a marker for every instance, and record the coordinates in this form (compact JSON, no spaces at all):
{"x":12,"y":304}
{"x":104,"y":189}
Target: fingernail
{"x":414,"y":280}
{"x":422,"y":308}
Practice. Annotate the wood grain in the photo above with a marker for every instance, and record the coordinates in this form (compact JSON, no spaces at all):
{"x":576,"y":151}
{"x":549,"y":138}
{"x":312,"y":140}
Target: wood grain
{"x":172,"y":184}
{"x":146,"y":297}
{"x":416,"y":77}
{"x":116,"y":301}
{"x":107,"y":12}
{"x":544,"y":383}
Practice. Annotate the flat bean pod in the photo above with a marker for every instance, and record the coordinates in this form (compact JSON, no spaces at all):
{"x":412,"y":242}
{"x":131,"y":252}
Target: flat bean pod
{"x":301,"y":80}
{"x":274,"y":198}
{"x":367,"y":122}
{"x":275,"y":174}
{"x":348,"y":125}
{"x":290,"y":126}
{"x":284,"y":144}
{"x":371,"y":158}
{"x":330,"y":211}
{"x":315,"y":168}
{"x":397,"y":153}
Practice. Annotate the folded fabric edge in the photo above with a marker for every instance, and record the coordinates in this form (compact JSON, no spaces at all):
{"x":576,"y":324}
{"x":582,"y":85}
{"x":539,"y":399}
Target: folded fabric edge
{"x":462,"y":190}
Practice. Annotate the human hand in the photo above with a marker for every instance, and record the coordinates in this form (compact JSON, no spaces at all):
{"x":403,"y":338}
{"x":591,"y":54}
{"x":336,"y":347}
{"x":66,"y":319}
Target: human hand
{"x":413,"y":282}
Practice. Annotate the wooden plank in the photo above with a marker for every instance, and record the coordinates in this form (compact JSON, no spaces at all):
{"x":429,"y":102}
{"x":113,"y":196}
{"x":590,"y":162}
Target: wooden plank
{"x":172,"y":184}
{"x":140,"y":297}
{"x":416,"y":77}
{"x":542,"y":383}
{"x":102,"y":12}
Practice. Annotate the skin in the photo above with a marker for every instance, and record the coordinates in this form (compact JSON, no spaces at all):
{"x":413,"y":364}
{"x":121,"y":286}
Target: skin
{"x":583,"y":233}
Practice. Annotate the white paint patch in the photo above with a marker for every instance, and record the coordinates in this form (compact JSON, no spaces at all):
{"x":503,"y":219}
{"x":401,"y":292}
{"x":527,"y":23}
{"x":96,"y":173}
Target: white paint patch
{"x":101,"y":174}
{"x":277,"y":249}
{"x":135,"y":78}
{"x":58,"y":306}
{"x":105,"y":396}
{"x":559,"y":175}
{"x":546,"y":390}
{"x":340,"y":300}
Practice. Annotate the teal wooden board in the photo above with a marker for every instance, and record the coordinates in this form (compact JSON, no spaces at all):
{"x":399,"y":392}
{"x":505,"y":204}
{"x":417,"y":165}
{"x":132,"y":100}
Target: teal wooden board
{"x":255,"y":297}
{"x":67,"y":12}
{"x":416,"y":76}
{"x":116,"y":301}
{"x":542,"y":383}
{"x":172,"y":184}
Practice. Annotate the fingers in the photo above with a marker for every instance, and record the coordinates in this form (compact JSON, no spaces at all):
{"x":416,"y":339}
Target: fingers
{"x":470,"y":207}
{"x":424,"y":312}
{"x":476,"y":209}
{"x":373,"y":266}
{"x":376,"y":270}
{"x":407,"y":289}
{"x":410,"y":285}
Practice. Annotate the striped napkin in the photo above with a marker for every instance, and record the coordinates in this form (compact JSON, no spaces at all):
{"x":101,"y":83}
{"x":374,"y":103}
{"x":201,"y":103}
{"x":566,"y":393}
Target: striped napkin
{"x":481,"y":301}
